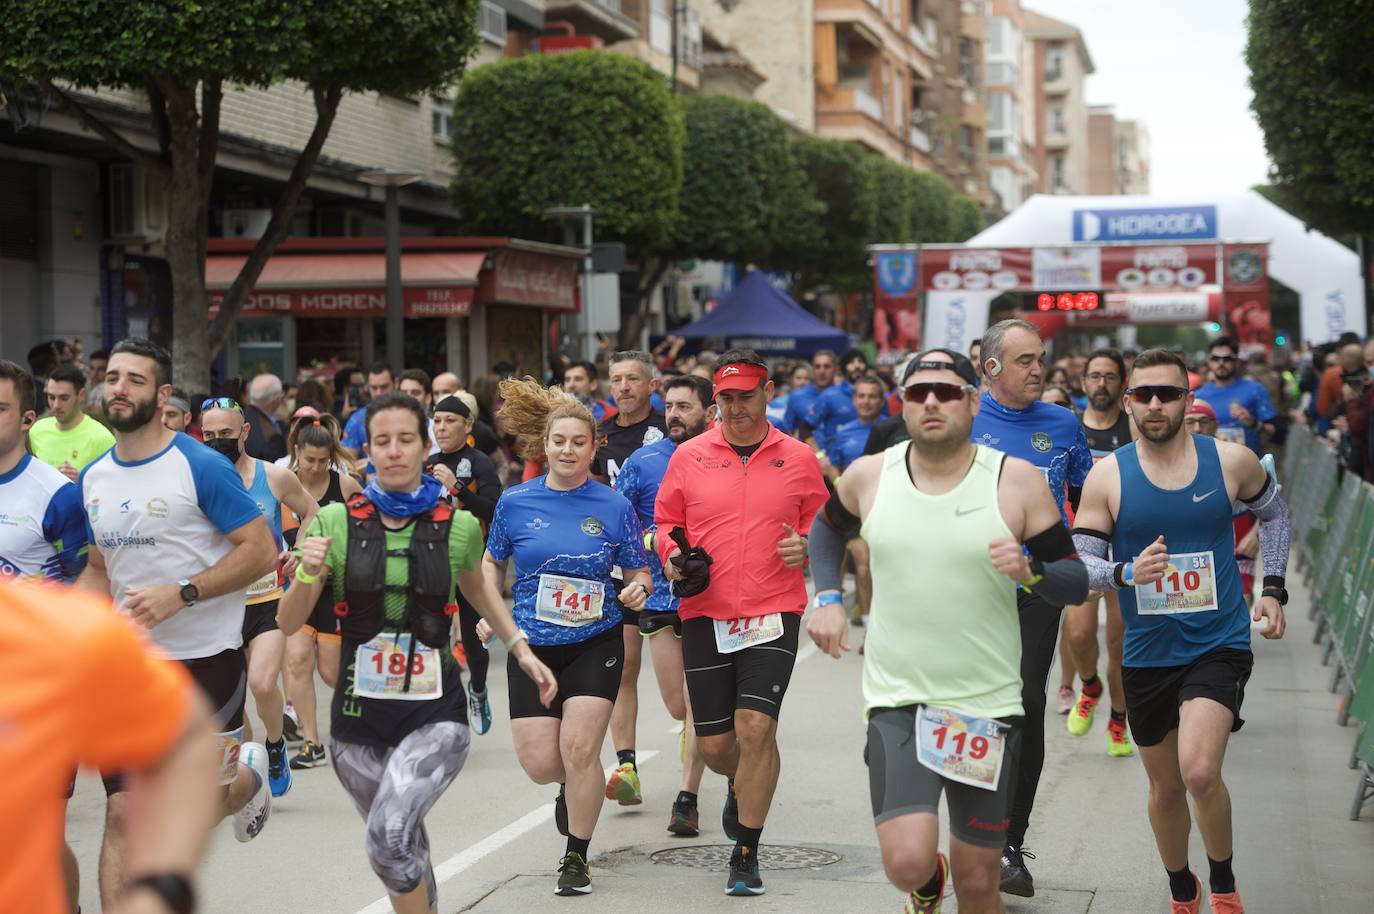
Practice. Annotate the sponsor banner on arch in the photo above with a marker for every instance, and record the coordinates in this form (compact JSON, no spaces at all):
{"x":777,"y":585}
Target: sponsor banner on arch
{"x":993,"y":270}
{"x":1134,"y":268}
{"x":1128,"y":268}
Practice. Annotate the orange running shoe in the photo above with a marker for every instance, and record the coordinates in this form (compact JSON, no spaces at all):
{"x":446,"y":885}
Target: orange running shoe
{"x":1188,"y":907}
{"x":1227,"y":903}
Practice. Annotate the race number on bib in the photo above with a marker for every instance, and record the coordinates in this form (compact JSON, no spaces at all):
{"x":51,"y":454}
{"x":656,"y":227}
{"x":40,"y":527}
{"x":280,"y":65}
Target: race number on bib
{"x":229,"y":745}
{"x":263,"y":586}
{"x":1234,"y":434}
{"x":381,"y":665}
{"x":737,"y":634}
{"x":569,"y":602}
{"x":960,"y":747}
{"x":1189,"y":585}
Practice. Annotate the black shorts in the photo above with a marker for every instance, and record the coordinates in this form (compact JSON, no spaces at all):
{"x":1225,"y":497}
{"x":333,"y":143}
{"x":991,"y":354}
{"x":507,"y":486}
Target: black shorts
{"x":899,"y":784}
{"x":590,"y":667}
{"x":754,"y":679}
{"x":1154,"y":694}
{"x":651,"y":623}
{"x":323,"y":622}
{"x":259,"y":619}
{"x":223,"y":680}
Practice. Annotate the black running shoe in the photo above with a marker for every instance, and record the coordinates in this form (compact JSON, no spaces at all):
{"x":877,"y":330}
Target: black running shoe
{"x":574,"y":876}
{"x":290,"y":727}
{"x":729,"y":816}
{"x":744,"y":876}
{"x":684,"y":819}
{"x":1016,"y":879}
{"x":560,"y":811}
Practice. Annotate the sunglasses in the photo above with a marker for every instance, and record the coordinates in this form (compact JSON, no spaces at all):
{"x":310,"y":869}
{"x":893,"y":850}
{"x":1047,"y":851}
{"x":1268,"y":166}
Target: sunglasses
{"x":944,"y":391}
{"x":1166,"y":393}
{"x":1221,"y":358}
{"x":220,"y":403}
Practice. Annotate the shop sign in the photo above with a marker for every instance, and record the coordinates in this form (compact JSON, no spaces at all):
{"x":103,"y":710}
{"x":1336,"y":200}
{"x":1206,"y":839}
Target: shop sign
{"x":417,"y":301}
{"x":528,"y":278}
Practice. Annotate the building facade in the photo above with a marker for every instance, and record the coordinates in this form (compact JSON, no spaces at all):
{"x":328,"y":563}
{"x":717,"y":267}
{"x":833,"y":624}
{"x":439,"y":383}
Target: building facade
{"x":1061,"y":64}
{"x":1011,"y":108}
{"x":1118,"y":154}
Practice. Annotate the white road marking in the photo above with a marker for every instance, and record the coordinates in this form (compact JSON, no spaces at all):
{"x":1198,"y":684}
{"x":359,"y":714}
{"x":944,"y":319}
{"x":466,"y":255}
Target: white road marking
{"x":464,"y":859}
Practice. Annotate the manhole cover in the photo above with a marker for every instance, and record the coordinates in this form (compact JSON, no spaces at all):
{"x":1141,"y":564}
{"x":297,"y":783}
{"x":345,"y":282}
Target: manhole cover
{"x":771,"y":857}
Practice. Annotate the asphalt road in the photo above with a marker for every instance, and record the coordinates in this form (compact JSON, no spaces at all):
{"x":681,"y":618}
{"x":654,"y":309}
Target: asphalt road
{"x":496,"y":849}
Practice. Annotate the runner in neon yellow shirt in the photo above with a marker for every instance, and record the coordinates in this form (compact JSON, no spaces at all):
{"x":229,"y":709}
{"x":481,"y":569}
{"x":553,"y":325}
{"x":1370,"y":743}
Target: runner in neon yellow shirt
{"x":67,"y":438}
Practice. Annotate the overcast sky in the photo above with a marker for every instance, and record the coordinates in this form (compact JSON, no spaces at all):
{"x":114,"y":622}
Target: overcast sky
{"x":1178,"y":65}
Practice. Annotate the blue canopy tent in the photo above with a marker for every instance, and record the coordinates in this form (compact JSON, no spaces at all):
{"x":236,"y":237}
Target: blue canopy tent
{"x":757,"y":316}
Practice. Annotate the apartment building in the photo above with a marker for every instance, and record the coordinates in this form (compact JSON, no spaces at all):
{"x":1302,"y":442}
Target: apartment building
{"x":1060,"y":64}
{"x":765,"y":48}
{"x":956,"y":112}
{"x":1133,"y":156}
{"x":1011,"y":107}
{"x":1118,"y":154}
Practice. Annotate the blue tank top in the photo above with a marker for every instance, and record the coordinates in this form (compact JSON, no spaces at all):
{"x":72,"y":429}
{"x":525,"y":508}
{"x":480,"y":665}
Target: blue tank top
{"x":261,"y":493}
{"x":1198,"y":606}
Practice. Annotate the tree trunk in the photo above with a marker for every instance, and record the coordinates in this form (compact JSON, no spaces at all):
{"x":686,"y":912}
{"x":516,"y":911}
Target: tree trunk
{"x":632,"y":327}
{"x":187,"y":200}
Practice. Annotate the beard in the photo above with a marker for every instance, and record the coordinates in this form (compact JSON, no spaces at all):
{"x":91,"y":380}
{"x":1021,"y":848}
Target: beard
{"x":1102,"y":399}
{"x":1159,"y":436}
{"x":143,"y":412}
{"x":679,"y":432}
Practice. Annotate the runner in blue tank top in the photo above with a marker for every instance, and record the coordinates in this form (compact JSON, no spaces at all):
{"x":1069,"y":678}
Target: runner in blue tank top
{"x":566,"y":532}
{"x":1013,"y":419}
{"x":1164,"y":506}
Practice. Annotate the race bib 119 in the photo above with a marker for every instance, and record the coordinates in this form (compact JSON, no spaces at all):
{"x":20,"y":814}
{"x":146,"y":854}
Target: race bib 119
{"x":960,"y":747}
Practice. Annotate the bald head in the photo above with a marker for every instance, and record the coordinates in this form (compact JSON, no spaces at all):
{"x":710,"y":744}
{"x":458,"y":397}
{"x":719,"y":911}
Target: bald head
{"x":1351,"y":358}
{"x":445,"y":384}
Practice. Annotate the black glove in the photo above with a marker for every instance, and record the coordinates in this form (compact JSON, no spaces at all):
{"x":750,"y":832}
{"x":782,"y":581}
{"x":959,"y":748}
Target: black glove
{"x":692,"y":563}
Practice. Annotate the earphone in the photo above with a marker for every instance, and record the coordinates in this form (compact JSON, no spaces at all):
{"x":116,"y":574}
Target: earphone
{"x":994,"y":367}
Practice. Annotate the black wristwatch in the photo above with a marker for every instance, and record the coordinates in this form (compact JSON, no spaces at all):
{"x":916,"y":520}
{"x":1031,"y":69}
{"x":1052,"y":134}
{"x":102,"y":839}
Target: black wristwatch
{"x":190,"y":593}
{"x":173,"y":888}
{"x":1278,"y":593}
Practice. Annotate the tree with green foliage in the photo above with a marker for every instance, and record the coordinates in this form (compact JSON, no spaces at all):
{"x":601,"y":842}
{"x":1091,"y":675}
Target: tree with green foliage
{"x":934,"y":207}
{"x":842,"y":177}
{"x":1313,"y":79}
{"x":965,"y":220}
{"x":183,"y":55}
{"x":897,"y":195}
{"x":583,"y":128}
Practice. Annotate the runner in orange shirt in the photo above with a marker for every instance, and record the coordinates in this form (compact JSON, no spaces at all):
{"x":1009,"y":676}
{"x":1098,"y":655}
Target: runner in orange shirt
{"x":111,"y":703}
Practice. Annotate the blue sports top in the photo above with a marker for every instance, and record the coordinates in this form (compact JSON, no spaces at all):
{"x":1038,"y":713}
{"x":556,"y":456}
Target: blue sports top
{"x":1198,"y":606}
{"x":639,"y":479}
{"x":261,"y":493}
{"x":833,"y":408}
{"x":799,"y":403}
{"x":42,"y":523}
{"x":847,"y":444}
{"x":1250,"y":394}
{"x":1048,"y":436}
{"x":581,"y":533}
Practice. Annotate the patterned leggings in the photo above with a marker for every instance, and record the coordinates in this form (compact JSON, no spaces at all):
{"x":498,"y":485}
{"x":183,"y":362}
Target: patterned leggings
{"x":394,"y":789}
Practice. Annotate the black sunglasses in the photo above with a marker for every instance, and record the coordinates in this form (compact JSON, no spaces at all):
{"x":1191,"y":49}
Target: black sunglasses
{"x":1167,"y":393}
{"x":943,"y":390}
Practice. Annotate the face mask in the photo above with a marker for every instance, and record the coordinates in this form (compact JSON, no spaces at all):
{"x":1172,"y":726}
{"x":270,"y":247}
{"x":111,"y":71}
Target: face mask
{"x":229,"y":447}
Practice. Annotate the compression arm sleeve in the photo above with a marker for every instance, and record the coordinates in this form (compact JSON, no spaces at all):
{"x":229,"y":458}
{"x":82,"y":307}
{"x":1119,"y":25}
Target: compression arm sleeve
{"x":826,"y":551}
{"x":1092,"y":549}
{"x":1061,"y":578}
{"x":1272,"y":511}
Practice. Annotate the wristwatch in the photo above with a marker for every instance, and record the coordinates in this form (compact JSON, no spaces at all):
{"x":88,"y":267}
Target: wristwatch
{"x":189,"y":593}
{"x":173,"y":888}
{"x":1278,"y":593}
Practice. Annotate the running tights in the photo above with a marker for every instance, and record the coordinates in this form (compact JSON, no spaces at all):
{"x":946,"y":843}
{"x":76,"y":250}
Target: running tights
{"x":1039,"y":639}
{"x":478,"y":659}
{"x":393,"y":790}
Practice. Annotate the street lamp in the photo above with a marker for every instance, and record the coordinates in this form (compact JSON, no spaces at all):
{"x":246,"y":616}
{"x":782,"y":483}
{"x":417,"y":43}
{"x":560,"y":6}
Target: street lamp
{"x":393,"y":181}
{"x":570,"y":216}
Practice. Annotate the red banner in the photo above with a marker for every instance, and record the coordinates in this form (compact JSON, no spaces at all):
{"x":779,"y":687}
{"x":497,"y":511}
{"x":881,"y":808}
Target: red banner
{"x":1129,"y":268}
{"x":416,"y":301}
{"x":896,"y":305}
{"x":1133,"y":268}
{"x":1246,"y":292}
{"x":526,"y":278}
{"x":977,"y":269}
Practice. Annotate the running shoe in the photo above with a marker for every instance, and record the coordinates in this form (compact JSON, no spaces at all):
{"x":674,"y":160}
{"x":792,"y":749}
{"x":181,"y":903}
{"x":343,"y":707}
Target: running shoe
{"x":249,"y":820}
{"x":729,"y":816}
{"x":1081,"y":717}
{"x":278,"y":772}
{"x":921,"y":904}
{"x":479,"y":711}
{"x":309,"y":755}
{"x":1066,"y":698}
{"x":291,"y":724}
{"x":856,"y":617}
{"x":1118,"y":740}
{"x":623,"y":785}
{"x":684,"y":821}
{"x":560,"y":811}
{"x":1191,"y":907}
{"x":744,"y":879}
{"x":1226,"y":903}
{"x":1016,"y":879}
{"x":574,"y":876}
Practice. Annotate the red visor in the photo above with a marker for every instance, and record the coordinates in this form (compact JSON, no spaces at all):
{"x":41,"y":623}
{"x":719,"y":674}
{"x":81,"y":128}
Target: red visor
{"x":739,"y":376}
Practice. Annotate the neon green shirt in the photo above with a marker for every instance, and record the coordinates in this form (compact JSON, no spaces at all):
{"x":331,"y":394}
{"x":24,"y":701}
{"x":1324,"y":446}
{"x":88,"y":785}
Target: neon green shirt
{"x":79,"y":446}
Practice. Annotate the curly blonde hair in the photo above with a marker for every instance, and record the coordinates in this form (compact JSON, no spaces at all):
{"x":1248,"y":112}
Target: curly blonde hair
{"x":530,"y":409}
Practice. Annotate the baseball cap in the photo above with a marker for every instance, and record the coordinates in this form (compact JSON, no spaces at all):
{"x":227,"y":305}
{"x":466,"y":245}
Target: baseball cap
{"x":961,"y":366}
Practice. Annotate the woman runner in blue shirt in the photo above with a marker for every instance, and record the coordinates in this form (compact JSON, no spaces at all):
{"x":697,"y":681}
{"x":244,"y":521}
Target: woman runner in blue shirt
{"x":566,"y":533}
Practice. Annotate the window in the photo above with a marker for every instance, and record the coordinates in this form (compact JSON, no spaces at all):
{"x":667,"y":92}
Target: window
{"x":660,"y":26}
{"x":1001,"y":113}
{"x":1057,"y":122}
{"x":491,"y":23}
{"x":1054,"y":63}
{"x":1058,"y":184}
{"x":997,"y":146}
{"x":441,"y":118}
{"x":999,"y":37}
{"x":1003,"y":74}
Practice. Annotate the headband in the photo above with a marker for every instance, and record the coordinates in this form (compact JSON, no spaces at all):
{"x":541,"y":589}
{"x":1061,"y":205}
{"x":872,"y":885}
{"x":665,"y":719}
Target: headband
{"x":739,"y":376}
{"x":180,"y":403}
{"x":452,"y":404}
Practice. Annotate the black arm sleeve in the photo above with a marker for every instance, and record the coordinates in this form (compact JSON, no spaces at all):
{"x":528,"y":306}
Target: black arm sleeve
{"x":1075,"y":496}
{"x":482,"y":503}
{"x":1062,"y":578}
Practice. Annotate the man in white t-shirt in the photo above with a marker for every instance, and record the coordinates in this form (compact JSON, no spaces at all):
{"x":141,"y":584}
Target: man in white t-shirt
{"x":176,"y":540}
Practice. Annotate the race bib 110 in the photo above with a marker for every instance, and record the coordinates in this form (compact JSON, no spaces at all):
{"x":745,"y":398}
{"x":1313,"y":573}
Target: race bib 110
{"x":1189,"y":585}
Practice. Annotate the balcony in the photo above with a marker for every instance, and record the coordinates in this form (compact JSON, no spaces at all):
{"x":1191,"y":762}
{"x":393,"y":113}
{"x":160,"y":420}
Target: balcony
{"x":603,"y":18}
{"x":919,"y":39}
{"x":919,"y":139}
{"x":862,"y":100}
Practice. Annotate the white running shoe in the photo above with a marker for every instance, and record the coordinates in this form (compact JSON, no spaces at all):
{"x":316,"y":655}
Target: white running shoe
{"x":249,"y":820}
{"x":1067,"y":699}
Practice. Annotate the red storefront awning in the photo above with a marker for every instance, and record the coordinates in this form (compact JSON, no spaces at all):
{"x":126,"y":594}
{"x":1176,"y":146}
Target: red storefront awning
{"x":350,"y":283}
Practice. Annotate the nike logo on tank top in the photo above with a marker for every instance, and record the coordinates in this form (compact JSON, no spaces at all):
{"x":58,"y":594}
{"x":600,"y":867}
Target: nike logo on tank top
{"x":1198,"y":606}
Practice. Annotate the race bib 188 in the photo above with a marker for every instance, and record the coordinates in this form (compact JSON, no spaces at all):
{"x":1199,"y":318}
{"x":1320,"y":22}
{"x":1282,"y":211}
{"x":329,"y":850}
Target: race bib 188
{"x":960,"y":747}
{"x":570,"y":602}
{"x":381,"y":665}
{"x":1189,"y":585}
